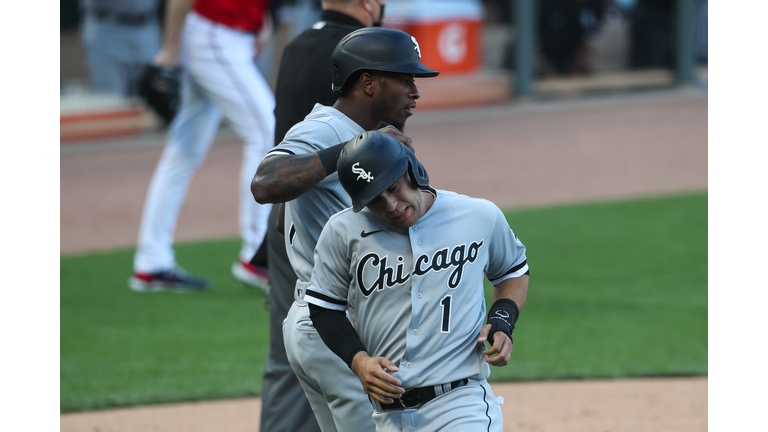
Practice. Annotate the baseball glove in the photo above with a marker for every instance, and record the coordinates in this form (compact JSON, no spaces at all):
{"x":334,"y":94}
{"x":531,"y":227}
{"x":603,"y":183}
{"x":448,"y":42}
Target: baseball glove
{"x":160,"y":89}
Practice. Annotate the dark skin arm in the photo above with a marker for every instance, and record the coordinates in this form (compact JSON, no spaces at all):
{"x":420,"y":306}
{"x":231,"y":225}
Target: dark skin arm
{"x":515,"y":289}
{"x":281,"y":178}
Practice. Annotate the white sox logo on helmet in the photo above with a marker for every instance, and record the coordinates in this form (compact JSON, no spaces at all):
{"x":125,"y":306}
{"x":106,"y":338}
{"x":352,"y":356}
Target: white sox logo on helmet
{"x":388,"y":277}
{"x":361,"y":174}
{"x":417,"y":46}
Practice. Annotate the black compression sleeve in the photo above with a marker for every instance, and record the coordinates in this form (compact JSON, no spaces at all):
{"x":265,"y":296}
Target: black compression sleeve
{"x":336,"y":331}
{"x":329,"y":157}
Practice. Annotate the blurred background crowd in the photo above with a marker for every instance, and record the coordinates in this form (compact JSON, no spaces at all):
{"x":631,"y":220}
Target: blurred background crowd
{"x":107,"y":44}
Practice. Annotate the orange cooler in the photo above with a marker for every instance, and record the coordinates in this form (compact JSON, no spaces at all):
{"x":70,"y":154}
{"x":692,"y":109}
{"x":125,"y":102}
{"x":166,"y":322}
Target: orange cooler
{"x":448,"y":31}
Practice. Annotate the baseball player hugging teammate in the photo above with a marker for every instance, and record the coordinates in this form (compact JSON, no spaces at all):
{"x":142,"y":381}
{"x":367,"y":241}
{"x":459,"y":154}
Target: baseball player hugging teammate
{"x":394,"y":285}
{"x":374,"y":71}
{"x":407,"y":262}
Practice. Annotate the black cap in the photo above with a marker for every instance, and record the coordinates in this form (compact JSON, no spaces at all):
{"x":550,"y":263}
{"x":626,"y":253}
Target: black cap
{"x":377,"y":49}
{"x":374,"y":161}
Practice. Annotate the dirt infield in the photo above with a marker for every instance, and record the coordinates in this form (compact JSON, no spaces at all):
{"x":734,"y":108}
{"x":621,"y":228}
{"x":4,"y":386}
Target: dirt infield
{"x":520,"y":155}
{"x":644,"y":405}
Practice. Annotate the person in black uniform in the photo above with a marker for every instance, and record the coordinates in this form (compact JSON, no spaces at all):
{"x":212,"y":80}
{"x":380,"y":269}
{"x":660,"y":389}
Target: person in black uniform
{"x":652,"y":34}
{"x":564,"y":29}
{"x":304,"y":79}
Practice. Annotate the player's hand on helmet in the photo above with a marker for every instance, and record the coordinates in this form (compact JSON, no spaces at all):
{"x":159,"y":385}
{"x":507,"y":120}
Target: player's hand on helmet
{"x":395,"y":132}
{"x":377,"y":382}
{"x":501,"y":351}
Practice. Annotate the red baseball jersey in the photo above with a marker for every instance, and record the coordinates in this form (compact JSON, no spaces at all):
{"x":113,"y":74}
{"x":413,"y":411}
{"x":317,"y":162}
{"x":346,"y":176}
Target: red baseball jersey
{"x":245,"y":15}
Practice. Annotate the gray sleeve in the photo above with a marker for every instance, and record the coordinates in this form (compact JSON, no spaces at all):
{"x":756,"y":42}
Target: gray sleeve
{"x":307,"y":137}
{"x":506,"y":253}
{"x":330,"y":281}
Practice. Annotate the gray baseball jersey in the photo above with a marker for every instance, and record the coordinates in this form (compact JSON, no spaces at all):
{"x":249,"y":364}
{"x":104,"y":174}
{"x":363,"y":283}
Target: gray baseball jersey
{"x":415,"y":296}
{"x":306,"y":215}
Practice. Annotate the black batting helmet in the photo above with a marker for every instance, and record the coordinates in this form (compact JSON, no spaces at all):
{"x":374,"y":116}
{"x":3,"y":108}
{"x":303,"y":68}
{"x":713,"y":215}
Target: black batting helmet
{"x":377,"y":49}
{"x":374,"y":161}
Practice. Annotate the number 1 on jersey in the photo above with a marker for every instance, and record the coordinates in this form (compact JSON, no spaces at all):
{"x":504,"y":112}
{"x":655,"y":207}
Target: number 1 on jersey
{"x":446,"y":304}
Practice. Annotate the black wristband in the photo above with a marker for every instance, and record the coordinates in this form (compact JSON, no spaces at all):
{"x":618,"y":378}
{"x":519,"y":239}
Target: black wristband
{"x":502,"y":317}
{"x":329,"y":157}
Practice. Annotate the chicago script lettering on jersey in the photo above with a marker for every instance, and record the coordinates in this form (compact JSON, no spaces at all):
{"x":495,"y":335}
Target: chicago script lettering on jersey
{"x":386,"y":276}
{"x":442,"y":259}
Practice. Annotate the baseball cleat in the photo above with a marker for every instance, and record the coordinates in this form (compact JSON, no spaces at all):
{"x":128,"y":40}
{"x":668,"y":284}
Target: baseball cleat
{"x":250,"y":274}
{"x":176,"y":280}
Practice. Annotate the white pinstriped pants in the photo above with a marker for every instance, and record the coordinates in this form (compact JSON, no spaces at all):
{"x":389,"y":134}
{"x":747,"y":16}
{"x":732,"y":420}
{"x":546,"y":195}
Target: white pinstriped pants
{"x":219,"y":80}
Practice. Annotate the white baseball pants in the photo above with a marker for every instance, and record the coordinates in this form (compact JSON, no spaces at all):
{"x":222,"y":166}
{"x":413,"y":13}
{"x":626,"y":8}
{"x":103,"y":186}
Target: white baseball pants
{"x":220,"y":79}
{"x":333,"y":390}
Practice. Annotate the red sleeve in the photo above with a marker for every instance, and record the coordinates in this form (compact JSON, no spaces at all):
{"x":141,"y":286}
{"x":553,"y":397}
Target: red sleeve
{"x":243,"y":15}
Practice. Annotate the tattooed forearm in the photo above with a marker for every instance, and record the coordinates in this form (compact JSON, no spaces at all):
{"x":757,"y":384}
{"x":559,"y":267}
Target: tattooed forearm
{"x":283,"y":178}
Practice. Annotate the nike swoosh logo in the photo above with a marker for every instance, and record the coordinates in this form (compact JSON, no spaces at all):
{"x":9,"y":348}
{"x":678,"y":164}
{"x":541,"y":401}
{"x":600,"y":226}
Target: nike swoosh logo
{"x":366,"y":234}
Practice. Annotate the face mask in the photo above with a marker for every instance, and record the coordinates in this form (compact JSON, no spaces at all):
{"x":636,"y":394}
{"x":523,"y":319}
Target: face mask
{"x":381,"y":15}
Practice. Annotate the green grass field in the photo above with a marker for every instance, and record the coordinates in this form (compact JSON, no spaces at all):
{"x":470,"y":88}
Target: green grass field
{"x":617,"y":290}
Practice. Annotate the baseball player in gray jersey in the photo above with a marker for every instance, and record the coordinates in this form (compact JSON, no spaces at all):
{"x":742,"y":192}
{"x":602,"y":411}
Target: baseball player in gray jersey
{"x":407,"y":263}
{"x":374,"y":71}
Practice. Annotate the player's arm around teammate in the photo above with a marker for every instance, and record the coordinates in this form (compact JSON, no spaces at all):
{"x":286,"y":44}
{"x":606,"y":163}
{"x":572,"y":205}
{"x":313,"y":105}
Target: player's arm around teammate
{"x":281,"y":178}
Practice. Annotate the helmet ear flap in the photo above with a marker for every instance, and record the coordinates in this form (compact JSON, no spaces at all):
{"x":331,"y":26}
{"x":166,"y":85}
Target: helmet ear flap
{"x":419,"y":176}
